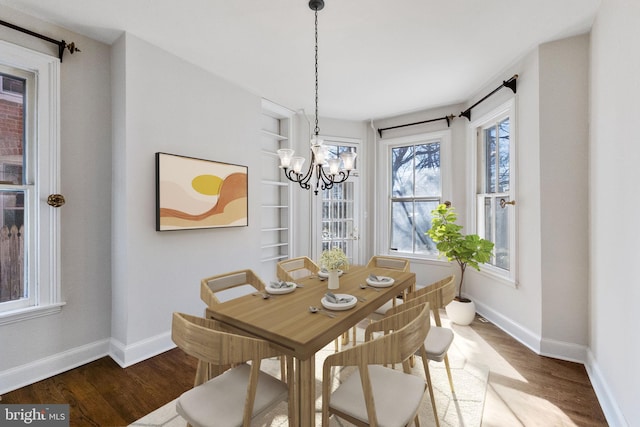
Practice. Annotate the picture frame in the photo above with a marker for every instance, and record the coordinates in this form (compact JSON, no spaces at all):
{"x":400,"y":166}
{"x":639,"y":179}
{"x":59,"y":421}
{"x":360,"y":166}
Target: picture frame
{"x":194,"y":193}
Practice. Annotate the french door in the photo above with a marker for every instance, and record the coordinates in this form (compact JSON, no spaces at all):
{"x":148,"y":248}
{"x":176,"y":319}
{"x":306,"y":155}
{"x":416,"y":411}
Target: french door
{"x":336,"y":211}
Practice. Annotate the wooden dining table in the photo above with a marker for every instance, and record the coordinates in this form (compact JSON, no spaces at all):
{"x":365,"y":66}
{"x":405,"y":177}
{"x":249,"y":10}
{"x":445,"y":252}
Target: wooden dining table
{"x":286,"y":321}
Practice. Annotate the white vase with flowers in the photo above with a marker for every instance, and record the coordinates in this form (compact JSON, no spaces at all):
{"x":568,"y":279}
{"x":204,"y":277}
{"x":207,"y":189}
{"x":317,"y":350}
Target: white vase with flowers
{"x":333,"y":260}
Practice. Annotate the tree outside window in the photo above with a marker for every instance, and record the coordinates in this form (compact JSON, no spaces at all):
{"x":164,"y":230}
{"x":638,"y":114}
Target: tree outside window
{"x":416,"y":189}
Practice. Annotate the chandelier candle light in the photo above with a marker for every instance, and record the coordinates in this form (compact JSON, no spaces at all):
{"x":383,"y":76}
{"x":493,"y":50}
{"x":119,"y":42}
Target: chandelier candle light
{"x":327,"y":171}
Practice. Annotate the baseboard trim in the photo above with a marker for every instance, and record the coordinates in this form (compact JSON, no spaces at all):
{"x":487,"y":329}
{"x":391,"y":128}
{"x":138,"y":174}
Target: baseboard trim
{"x":564,"y":350}
{"x":44,"y":368}
{"x":611,"y":410}
{"x":127,"y":355}
{"x":29,"y":373}
{"x":515,"y":330}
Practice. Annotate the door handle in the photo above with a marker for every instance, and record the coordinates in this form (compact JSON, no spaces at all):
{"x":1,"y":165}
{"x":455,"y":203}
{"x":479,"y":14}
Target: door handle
{"x":504,"y":203}
{"x":55,"y":200}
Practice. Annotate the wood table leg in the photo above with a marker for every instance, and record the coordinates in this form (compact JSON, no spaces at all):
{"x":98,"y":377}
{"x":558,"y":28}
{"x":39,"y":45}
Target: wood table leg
{"x":306,"y":399}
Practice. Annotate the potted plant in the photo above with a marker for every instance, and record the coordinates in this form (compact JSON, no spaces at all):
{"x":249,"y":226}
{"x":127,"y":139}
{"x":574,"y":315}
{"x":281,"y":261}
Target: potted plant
{"x":465,"y":249}
{"x":332,"y":260}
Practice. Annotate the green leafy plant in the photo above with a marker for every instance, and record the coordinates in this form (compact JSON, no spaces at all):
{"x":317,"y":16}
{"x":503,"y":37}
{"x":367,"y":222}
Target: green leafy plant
{"x":465,"y":249}
{"x":333,"y":259}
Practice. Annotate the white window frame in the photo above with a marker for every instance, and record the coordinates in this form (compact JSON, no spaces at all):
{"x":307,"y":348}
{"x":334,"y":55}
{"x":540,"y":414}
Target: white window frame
{"x":383,"y":238}
{"x":507,"y":109}
{"x":43,"y":221}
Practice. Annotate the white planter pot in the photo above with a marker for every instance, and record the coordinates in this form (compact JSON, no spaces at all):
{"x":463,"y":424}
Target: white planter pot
{"x":461,"y":313}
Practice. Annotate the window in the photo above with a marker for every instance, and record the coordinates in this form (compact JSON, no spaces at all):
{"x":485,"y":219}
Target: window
{"x":495,"y":159}
{"x":29,"y":278}
{"x":417,"y":183}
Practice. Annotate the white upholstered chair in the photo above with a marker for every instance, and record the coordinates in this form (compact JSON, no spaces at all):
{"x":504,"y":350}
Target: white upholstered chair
{"x":438,"y":295}
{"x":237,"y":395}
{"x":375,"y":395}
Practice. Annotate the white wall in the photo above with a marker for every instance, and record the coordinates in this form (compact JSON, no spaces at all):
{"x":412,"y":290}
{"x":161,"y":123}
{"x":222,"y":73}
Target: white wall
{"x":547,"y":310}
{"x":517,"y":309}
{"x":614,"y":205}
{"x":564,"y":139}
{"x":38,"y":348}
{"x":169,"y":105}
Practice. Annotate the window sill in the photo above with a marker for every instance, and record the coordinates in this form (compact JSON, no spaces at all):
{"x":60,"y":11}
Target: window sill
{"x":422,"y":259}
{"x":30,"y":313}
{"x":496,"y":276}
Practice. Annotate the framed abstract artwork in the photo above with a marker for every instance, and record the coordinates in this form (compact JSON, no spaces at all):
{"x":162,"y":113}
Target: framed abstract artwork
{"x":197,"y":193}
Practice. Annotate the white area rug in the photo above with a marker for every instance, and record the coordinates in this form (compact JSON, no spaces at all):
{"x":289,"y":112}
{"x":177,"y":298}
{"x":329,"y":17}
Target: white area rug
{"x":464,"y":408}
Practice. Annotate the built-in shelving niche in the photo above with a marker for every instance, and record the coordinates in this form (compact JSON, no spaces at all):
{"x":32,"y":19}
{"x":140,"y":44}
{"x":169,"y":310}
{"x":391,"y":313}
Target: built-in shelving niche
{"x":275,"y":192}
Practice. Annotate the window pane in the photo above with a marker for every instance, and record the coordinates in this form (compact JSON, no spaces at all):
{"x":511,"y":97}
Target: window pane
{"x":402,"y":159}
{"x":12,"y":130}
{"x":12,"y":252}
{"x":424,"y":244}
{"x":490,"y":159}
{"x":427,"y":173}
{"x":402,"y":226}
{"x":12,"y":84}
{"x":337,"y":217}
{"x":488,"y":219}
{"x":503,"y":150}
{"x":502,"y":235}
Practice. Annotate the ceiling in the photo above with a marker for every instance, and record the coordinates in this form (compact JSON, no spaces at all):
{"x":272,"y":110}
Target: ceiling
{"x":378,"y":58}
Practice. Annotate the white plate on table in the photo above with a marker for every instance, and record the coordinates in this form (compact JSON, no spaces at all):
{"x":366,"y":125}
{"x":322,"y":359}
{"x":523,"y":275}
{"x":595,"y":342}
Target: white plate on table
{"x":382,"y":282}
{"x":339,"y":306}
{"x":325,"y":275}
{"x":284,"y":290}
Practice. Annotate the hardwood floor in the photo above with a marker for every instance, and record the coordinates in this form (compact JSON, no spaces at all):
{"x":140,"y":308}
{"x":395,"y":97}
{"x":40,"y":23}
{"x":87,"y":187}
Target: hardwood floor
{"x":524,"y":389}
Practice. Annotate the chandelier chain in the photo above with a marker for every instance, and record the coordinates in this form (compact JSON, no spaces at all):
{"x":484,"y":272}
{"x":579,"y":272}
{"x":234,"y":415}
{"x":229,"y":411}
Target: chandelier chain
{"x":326,"y":171}
{"x":317,"y":129}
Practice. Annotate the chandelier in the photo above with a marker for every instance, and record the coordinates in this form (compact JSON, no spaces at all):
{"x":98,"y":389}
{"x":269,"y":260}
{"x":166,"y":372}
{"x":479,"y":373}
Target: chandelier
{"x":327,"y":171}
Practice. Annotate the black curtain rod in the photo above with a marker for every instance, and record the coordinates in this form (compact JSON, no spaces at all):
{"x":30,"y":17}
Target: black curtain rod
{"x":511,"y":84}
{"x":62,"y":45}
{"x":447,"y":118}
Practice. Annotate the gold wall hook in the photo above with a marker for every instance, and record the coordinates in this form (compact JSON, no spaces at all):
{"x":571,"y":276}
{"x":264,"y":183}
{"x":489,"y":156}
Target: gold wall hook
{"x":55,"y":200}
{"x":504,"y":203}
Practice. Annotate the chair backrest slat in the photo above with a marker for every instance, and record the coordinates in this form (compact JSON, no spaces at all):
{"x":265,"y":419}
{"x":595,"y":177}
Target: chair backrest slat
{"x":210,"y":285}
{"x":224,"y":282}
{"x":296,"y":268}
{"x":437,"y":294}
{"x":406,"y":332}
{"x":201,"y":339}
{"x":394,"y":263}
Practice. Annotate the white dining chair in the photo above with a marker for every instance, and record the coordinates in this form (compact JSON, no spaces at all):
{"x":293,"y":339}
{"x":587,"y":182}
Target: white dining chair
{"x":225,"y":287}
{"x":375,"y":395}
{"x":237,"y":395}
